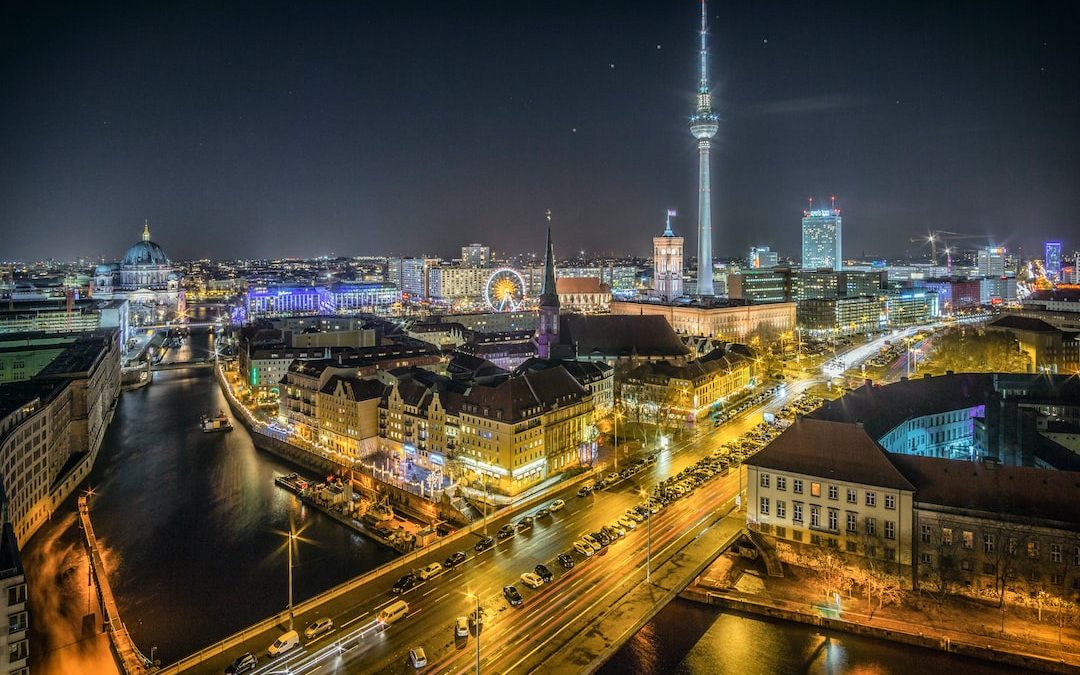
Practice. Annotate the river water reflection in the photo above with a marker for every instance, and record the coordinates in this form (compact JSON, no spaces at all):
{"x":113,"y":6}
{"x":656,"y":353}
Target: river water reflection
{"x":191,"y":524}
{"x":694,"y":639}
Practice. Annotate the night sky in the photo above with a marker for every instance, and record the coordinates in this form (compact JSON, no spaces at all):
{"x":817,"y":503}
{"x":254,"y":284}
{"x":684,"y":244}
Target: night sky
{"x":264,"y":129}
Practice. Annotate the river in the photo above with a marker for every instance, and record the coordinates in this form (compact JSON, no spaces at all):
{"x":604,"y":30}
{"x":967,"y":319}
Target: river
{"x":191,"y":530}
{"x":690,"y":638}
{"x":191,"y":527}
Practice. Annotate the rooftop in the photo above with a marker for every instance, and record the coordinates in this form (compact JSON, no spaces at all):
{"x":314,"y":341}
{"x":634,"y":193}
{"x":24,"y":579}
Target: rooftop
{"x":566,"y":285}
{"x":620,"y":335}
{"x":993,"y":488}
{"x":1030,"y":324}
{"x":830,"y":450}
{"x":883,"y":408}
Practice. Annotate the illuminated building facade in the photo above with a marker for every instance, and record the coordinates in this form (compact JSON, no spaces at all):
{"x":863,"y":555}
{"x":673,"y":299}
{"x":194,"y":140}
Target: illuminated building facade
{"x":821,"y":237}
{"x":668,"y":264}
{"x":760,"y":286}
{"x":845,"y":317}
{"x":991,"y":261}
{"x":51,"y":427}
{"x":341,"y":298}
{"x":726,"y":320}
{"x":475,"y":255}
{"x":1052,"y":262}
{"x":762,"y":258}
{"x":685,"y":392}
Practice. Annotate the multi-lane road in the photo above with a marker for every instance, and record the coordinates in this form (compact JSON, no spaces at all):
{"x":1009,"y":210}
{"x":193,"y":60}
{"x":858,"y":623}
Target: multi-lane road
{"x":513,"y":638}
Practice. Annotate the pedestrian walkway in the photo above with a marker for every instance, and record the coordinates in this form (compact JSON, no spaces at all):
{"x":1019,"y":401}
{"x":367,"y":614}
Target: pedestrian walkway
{"x":955,"y":626}
{"x":132,"y":662}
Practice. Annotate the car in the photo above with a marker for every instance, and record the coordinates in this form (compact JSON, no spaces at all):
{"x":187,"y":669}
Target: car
{"x":532,"y":580}
{"x":612,"y":477}
{"x":484,"y":544}
{"x":429,"y":571}
{"x":627,"y":523}
{"x":417,"y":657}
{"x":505,"y":531}
{"x":454,"y":559}
{"x":525,"y":523}
{"x":404,"y":583}
{"x":512,"y":595}
{"x":543,"y":572}
{"x":318,"y":627}
{"x":543,"y":512}
{"x":284,"y":643}
{"x":557,"y":505}
{"x":566,"y":560}
{"x":476,"y":618}
{"x":584,"y":491}
{"x":242,"y":664}
{"x":583,"y":547}
{"x":591,"y":540}
{"x":634,"y":515}
{"x":601,"y":537}
{"x":612,"y":533}
{"x":461,"y":627}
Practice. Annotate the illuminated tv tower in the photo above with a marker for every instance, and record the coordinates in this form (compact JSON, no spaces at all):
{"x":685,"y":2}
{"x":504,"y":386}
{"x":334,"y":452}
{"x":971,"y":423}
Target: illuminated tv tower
{"x":704,"y":124}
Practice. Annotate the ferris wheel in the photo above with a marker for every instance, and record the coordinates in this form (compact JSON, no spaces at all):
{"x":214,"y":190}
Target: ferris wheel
{"x":505,"y":290}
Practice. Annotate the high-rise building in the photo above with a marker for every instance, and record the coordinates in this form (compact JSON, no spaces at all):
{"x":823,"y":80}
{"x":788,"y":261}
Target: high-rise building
{"x":762,"y":258}
{"x":547,"y":332}
{"x":667,"y":263}
{"x":475,"y":255}
{"x":704,"y":124}
{"x":991,"y":261}
{"x":1052,"y":264}
{"x":821,"y":236}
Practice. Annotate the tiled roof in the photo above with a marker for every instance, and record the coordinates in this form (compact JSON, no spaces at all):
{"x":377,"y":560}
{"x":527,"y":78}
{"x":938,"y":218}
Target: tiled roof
{"x":566,"y":285}
{"x":356,"y":389}
{"x":995,"y":489}
{"x":883,"y":408}
{"x":1023,"y":323}
{"x":831,"y":450}
{"x":524,"y":396}
{"x":619,"y":335}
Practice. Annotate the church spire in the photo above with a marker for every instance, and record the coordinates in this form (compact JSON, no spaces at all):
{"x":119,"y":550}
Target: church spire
{"x":146,"y":230}
{"x":549,"y":296}
{"x":547,"y":330}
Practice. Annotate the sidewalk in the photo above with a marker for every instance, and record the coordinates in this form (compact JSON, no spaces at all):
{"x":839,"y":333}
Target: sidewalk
{"x":957,"y":625}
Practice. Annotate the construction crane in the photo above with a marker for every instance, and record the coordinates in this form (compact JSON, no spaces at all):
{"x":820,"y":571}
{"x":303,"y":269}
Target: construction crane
{"x":944,"y":236}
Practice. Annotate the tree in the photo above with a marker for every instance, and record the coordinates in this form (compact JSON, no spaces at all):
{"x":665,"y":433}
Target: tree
{"x":1066,"y":613}
{"x":968,"y":349}
{"x":832,"y":573}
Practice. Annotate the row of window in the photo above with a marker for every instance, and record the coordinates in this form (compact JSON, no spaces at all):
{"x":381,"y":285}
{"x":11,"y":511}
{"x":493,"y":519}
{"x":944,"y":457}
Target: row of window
{"x":832,"y":515}
{"x":990,"y":543}
{"x":833,"y":491}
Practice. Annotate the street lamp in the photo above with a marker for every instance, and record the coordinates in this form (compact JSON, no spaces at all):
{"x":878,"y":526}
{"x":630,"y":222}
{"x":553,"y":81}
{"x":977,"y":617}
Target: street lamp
{"x":617,"y":416}
{"x":476,"y":596}
{"x":648,"y":540}
{"x":292,"y":538}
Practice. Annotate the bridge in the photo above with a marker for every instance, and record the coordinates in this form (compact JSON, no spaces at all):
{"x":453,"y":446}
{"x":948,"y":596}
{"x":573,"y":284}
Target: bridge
{"x":202,"y":362}
{"x":571,"y":624}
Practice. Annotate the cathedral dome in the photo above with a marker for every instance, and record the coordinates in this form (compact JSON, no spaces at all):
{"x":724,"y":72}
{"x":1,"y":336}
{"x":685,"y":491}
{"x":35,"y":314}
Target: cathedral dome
{"x":145,"y":253}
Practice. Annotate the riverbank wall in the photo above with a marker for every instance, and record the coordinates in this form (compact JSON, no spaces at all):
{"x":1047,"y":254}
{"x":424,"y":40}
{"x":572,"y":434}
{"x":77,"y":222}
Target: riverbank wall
{"x":904,"y":634}
{"x":128,"y":658}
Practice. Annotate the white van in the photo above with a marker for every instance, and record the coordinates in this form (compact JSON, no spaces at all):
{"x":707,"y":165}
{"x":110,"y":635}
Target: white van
{"x":392,"y":612}
{"x":287,"y":641}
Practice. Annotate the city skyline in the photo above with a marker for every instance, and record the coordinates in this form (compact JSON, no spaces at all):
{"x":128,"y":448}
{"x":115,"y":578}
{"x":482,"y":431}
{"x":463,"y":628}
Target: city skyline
{"x":283,"y":134}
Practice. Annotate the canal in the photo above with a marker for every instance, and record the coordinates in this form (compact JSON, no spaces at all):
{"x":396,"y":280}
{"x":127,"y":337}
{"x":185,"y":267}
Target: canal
{"x":191,"y":527}
{"x":688,"y":638}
